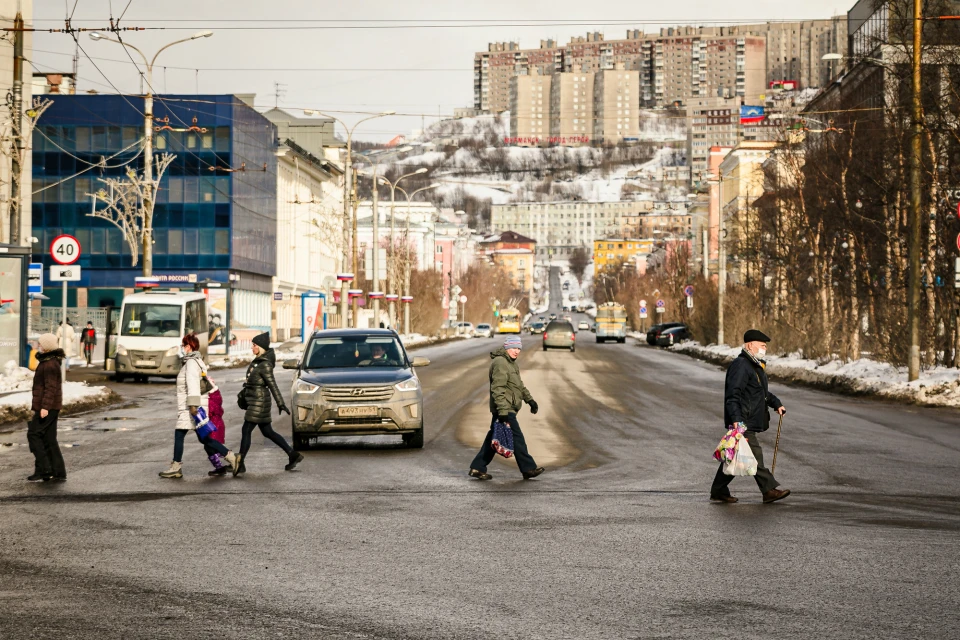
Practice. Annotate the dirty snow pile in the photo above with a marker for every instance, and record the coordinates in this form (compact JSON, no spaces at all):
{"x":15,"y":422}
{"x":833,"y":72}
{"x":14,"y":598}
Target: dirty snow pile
{"x":16,"y":385}
{"x":939,"y":386}
{"x":244,"y":357}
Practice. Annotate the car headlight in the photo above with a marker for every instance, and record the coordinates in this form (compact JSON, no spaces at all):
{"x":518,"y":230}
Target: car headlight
{"x":305,"y":387}
{"x":172,"y":351}
{"x":121,"y":351}
{"x":410,"y":384}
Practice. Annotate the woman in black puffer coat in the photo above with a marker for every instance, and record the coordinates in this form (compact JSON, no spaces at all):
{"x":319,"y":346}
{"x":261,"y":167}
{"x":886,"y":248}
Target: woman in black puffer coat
{"x":255,"y":397}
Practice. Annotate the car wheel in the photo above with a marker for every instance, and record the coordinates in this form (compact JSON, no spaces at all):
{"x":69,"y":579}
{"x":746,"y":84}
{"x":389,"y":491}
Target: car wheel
{"x":414,"y":440}
{"x":119,"y":377}
{"x":301,"y":443}
{"x":544,"y":347}
{"x":573,"y":349}
{"x":599,"y":340}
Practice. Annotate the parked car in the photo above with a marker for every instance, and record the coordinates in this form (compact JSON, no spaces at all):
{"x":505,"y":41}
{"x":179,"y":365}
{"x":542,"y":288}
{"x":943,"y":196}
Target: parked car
{"x":483,"y":330}
{"x":654,"y":332}
{"x":537,"y":327}
{"x":356,"y":382}
{"x":465,"y":328}
{"x":559,"y":335}
{"x":583,"y":326}
{"x":553,"y":317}
{"x":673,"y":335}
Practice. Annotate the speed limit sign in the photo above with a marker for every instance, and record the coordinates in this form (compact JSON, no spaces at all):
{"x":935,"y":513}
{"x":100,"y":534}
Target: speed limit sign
{"x":65,"y":249}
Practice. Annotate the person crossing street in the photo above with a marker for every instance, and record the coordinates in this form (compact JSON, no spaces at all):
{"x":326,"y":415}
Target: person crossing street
{"x":47,"y":402}
{"x":746,"y":400}
{"x":507,"y":395}
{"x":254,"y":398}
{"x":88,"y":338}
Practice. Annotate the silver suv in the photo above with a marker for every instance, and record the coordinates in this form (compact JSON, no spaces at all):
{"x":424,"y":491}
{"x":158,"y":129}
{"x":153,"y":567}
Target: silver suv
{"x":356,"y":382}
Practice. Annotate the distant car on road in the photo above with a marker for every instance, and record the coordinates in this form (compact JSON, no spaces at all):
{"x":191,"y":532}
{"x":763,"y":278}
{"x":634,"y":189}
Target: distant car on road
{"x":483,"y":330}
{"x":673,"y":335}
{"x":568,"y":319}
{"x":465,"y":328}
{"x":593,"y":326}
{"x":583,"y":326}
{"x":654,"y":332}
{"x":537,"y":327}
{"x":356,"y":382}
{"x":553,"y":317}
{"x":560,"y":335}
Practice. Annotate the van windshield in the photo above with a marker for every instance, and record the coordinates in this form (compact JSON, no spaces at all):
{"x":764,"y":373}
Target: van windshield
{"x":153,"y":320}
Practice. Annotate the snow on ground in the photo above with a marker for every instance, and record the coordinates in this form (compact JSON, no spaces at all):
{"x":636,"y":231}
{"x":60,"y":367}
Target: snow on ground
{"x":244,"y":357}
{"x":939,"y":386}
{"x":16,"y":385}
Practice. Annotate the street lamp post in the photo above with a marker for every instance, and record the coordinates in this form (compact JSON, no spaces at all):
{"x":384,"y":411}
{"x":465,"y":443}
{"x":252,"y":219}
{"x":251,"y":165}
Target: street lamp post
{"x":391,"y":270}
{"x":721,"y":255}
{"x":348,"y":163}
{"x":406,"y":251}
{"x":148,"y":200}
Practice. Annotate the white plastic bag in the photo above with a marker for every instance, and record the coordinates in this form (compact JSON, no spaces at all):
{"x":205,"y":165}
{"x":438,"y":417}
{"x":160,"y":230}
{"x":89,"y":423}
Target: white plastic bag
{"x":744,"y":463}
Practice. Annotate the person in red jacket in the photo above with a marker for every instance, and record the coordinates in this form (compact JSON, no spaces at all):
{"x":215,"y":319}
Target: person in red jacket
{"x":47,"y":402}
{"x":88,"y":338}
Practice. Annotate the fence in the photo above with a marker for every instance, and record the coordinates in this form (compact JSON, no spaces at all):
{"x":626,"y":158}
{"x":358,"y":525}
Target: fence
{"x":47,"y":320}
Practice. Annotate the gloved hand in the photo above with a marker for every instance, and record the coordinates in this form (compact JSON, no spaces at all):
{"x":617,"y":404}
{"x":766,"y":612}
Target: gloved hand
{"x":534,"y":407}
{"x":193,"y":411}
{"x":283,"y":408}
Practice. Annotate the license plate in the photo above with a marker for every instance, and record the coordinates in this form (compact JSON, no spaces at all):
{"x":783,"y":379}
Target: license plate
{"x":356,"y":412}
{"x":144,"y":363}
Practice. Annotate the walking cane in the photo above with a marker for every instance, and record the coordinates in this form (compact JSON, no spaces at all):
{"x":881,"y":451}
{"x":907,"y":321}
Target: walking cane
{"x":776,"y":445}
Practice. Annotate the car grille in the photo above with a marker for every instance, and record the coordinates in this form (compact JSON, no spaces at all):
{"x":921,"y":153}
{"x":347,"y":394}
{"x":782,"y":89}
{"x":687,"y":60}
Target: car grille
{"x":357,"y":394}
{"x":152,"y":356}
{"x":365,"y":421}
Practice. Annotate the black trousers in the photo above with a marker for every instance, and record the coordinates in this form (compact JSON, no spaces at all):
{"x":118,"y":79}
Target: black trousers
{"x":764,"y":478}
{"x":266,"y":428}
{"x":42,"y":437}
{"x":486,"y":453}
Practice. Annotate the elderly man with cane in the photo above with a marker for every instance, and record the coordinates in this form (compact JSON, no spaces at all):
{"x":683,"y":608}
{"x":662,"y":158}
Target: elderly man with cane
{"x":746,"y":400}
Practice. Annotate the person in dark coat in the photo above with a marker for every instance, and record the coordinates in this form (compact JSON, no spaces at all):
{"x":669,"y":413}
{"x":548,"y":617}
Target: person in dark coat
{"x":88,"y":338}
{"x":507,"y":395}
{"x":258,"y":387}
{"x":746,"y":402}
{"x":47,"y":402}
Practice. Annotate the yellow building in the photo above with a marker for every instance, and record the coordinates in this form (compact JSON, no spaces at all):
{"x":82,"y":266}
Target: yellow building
{"x":614,"y":250}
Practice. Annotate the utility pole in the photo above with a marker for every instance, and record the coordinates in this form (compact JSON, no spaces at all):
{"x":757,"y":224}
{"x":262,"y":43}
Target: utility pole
{"x":916,"y":200}
{"x":375,"y":250}
{"x":16,"y":170}
{"x":356,"y":251}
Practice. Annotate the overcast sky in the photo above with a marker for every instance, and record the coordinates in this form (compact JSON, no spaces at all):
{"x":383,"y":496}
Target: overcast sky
{"x":421,"y":72}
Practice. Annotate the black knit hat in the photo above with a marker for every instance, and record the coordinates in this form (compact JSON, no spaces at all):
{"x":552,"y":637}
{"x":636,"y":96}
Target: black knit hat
{"x":262,"y":340}
{"x":752,"y":335}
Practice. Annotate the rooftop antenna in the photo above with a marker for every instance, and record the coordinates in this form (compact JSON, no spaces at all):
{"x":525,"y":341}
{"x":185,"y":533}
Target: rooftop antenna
{"x":279,"y":90}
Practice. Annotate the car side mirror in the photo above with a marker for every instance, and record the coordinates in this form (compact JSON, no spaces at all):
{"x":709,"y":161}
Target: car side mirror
{"x":291,"y":364}
{"x":420,"y":361}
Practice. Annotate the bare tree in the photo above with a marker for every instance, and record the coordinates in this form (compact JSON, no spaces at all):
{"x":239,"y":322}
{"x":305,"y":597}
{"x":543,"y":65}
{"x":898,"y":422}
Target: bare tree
{"x":126,"y":208}
{"x":579,"y":260}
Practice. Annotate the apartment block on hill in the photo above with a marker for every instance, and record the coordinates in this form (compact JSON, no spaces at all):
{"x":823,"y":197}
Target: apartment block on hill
{"x":530,"y":108}
{"x":616,"y":115}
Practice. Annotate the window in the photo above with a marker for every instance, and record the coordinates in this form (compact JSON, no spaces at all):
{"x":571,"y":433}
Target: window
{"x":222,"y":241}
{"x":175,"y":241}
{"x":196,"y":319}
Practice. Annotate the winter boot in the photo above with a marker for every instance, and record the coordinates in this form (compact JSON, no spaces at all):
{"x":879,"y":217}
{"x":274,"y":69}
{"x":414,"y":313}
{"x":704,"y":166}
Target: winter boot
{"x":175,"y":471}
{"x":38,"y":477}
{"x":235,"y":462}
{"x":219,"y":466}
{"x":295,"y":459}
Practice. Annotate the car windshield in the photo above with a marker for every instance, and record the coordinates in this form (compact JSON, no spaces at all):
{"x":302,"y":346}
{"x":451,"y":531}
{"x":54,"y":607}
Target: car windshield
{"x":483,"y":326}
{"x":152,"y":320}
{"x":560,"y":326}
{"x":347,"y":352}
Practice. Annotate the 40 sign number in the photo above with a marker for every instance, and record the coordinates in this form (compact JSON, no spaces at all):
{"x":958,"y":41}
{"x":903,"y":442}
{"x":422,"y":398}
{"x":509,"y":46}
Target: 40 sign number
{"x":65,"y":249}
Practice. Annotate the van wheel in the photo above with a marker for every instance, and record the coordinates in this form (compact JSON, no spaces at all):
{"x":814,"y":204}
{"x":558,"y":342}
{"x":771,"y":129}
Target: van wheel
{"x":301,"y":443}
{"x":119,"y":377}
{"x":414,"y":440}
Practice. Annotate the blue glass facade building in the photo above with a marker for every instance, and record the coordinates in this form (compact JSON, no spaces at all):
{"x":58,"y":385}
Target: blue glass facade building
{"x":215,"y":211}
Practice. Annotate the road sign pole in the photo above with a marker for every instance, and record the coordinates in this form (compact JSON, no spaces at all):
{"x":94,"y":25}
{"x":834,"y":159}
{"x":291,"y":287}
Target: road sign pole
{"x":63,"y":335}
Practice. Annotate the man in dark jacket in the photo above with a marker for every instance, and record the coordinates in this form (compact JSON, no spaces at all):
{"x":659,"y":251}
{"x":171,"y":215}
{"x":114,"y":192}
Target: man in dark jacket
{"x":258,"y":387}
{"x":746,"y":400}
{"x":88,"y":338}
{"x":507,"y":395}
{"x":47,"y":402}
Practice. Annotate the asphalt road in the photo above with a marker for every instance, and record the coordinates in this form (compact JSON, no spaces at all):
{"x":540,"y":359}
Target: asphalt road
{"x":616,"y":540}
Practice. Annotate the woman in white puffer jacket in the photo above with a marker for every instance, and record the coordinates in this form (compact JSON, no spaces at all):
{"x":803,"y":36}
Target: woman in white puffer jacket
{"x":189,"y":401}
